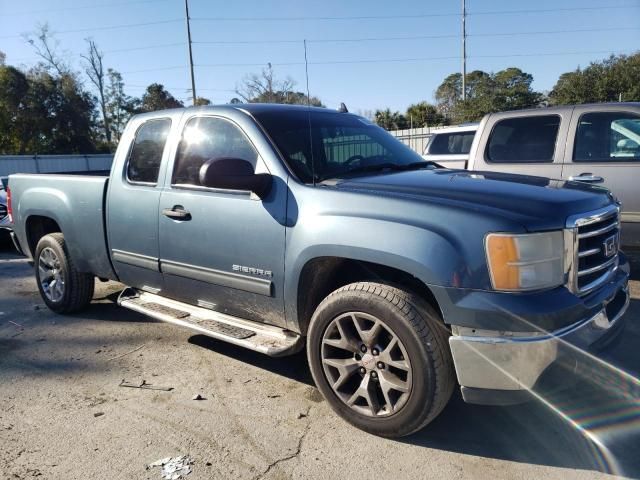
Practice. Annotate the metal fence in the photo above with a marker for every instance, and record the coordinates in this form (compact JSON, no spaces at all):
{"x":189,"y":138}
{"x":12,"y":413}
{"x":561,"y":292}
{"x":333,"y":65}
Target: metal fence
{"x":10,"y":164}
{"x":415,"y":138}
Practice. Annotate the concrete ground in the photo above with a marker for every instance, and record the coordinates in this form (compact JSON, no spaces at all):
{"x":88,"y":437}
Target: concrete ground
{"x":63,"y":414}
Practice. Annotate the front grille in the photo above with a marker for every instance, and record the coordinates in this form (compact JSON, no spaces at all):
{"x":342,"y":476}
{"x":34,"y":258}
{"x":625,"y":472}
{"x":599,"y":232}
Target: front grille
{"x":3,"y":211}
{"x":597,"y":240}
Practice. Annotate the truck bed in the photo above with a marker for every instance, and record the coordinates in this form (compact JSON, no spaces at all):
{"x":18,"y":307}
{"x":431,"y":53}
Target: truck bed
{"x":76,"y":203}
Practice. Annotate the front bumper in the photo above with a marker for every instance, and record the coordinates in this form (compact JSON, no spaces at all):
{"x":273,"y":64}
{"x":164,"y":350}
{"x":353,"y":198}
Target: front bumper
{"x":496,"y":366}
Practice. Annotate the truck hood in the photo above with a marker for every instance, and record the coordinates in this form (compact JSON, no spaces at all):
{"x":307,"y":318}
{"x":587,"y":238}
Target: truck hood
{"x":537,"y":203}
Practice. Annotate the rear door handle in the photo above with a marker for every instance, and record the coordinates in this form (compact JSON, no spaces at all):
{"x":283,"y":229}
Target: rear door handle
{"x":587,"y":177}
{"x":177,"y":213}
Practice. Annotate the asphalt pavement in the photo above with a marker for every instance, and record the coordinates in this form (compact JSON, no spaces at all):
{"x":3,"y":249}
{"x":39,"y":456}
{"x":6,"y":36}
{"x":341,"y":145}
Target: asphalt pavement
{"x":64,"y":414}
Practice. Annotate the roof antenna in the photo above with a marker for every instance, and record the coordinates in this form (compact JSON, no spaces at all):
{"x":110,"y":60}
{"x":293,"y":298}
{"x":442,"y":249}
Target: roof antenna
{"x":306,"y":73}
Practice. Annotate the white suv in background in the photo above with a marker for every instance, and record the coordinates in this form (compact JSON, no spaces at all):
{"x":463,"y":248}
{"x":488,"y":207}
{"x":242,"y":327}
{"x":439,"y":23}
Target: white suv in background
{"x":450,"y":146}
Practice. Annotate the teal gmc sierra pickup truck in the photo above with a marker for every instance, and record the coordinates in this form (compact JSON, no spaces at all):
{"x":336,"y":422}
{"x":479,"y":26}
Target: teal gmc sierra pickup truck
{"x":278,"y":227}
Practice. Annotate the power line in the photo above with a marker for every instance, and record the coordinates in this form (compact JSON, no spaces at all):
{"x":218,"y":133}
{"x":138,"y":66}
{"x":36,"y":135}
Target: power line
{"x":552,"y":10}
{"x":464,"y":50}
{"x":378,"y":60}
{"x":159,"y":69}
{"x":81,"y":7}
{"x":107,"y":27}
{"x":400,"y":60}
{"x":413,"y":37}
{"x":118,"y":50}
{"x":148,"y":47}
{"x":184,"y":88}
{"x":193,"y":81}
{"x":405,"y":16}
{"x":354,"y":40}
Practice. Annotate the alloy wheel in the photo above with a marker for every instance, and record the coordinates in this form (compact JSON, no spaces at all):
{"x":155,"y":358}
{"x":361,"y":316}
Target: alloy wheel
{"x":366,"y":364}
{"x":50,"y":275}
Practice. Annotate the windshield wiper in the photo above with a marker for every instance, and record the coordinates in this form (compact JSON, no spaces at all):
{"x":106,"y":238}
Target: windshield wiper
{"x":381,"y":167}
{"x":378,"y":167}
{"x":420,"y":165}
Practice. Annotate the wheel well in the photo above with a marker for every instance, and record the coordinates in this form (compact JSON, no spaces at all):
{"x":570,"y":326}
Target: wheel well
{"x":321,"y":276}
{"x":37,"y":227}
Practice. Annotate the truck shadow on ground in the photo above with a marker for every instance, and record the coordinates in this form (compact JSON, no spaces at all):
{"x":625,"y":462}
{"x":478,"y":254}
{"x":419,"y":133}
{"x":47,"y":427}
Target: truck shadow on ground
{"x":548,"y":430}
{"x":294,"y":367}
{"x":634,"y":260}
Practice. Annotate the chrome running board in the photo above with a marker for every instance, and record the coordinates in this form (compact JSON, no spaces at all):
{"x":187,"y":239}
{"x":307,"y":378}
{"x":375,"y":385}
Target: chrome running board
{"x":267,"y":339}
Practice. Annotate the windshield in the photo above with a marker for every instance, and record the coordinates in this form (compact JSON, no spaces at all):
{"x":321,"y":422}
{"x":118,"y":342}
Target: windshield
{"x":343,"y":144}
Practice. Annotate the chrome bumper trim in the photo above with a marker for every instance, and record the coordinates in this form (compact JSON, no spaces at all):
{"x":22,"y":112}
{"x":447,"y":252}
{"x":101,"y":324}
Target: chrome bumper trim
{"x":495,"y":360}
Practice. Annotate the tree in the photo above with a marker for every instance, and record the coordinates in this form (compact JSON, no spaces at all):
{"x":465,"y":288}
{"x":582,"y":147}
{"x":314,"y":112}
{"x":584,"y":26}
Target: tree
{"x":14,"y":124}
{"x":119,"y":106}
{"x":507,"y":89}
{"x":423,"y":114}
{"x":44,"y":113}
{"x":266,"y":88}
{"x":613,"y":79}
{"x":157,"y":98}
{"x":69,"y":114}
{"x":513,"y":90}
{"x":449,"y":94}
{"x":46,"y":47}
{"x":95,"y":72}
{"x":3,"y":58}
{"x":390,"y":120}
{"x":61,"y":112}
{"x":202,"y":101}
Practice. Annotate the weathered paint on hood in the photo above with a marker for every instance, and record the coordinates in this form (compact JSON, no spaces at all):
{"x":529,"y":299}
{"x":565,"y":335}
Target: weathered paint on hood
{"x":537,"y":203}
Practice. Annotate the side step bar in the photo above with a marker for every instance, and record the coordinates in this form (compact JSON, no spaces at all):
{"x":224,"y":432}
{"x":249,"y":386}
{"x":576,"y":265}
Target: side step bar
{"x":267,"y":339}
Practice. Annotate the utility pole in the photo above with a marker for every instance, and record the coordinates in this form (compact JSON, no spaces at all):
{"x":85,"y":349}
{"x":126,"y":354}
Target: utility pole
{"x":193,"y":80}
{"x":464,"y":50}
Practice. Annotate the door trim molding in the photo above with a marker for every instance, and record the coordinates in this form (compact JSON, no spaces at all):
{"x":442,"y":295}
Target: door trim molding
{"x":246,"y":283}
{"x":136,"y":259}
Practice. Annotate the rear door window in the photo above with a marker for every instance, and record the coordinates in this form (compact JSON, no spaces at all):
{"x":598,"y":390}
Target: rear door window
{"x":458,"y":143}
{"x":524,"y":140}
{"x":145,"y":156}
{"x":607,"y":137}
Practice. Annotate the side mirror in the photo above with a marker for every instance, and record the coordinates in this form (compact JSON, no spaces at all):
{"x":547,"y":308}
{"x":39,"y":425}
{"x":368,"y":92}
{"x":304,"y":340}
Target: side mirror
{"x":234,"y":174}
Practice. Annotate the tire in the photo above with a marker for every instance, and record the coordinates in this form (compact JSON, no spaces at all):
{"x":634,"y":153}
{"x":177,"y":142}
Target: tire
{"x":422,"y":346}
{"x":72,"y":290}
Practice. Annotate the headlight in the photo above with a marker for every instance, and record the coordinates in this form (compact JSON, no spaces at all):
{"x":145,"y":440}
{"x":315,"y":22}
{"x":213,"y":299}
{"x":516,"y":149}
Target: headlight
{"x":525,"y":262}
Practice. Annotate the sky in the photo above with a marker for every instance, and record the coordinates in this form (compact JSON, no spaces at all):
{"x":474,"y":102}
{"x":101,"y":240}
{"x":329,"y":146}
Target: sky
{"x":389,"y":54}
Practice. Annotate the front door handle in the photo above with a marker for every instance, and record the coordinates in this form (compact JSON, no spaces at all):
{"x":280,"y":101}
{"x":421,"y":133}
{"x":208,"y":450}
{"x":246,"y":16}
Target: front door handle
{"x":587,"y":177}
{"x":177,"y":213}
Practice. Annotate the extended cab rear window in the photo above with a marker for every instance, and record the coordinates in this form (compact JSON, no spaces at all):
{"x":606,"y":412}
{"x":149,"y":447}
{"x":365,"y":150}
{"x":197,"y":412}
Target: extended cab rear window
{"x":523,"y":140}
{"x":145,"y":156}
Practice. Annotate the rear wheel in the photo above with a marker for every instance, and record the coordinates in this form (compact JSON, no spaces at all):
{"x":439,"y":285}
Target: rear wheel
{"x":380,"y":357}
{"x":63,"y":288}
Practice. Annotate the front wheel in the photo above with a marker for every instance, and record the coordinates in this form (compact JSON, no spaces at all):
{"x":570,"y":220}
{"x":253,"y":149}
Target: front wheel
{"x":380,"y":357}
{"x":63,"y":288}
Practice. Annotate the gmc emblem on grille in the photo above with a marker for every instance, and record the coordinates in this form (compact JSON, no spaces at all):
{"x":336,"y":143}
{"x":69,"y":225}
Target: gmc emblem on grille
{"x":610,"y":245}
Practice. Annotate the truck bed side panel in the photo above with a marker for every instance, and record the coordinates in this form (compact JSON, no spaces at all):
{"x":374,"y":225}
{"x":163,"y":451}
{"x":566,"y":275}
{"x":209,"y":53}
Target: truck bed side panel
{"x":76,"y":203}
